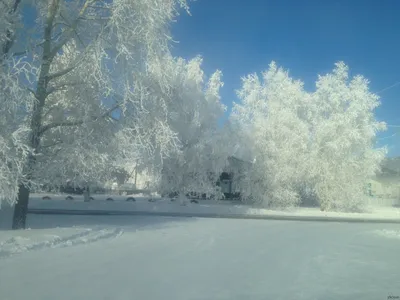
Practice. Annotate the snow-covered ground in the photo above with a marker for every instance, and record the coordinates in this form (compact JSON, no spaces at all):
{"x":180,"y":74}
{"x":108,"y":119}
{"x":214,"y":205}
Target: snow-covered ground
{"x":203,"y":207}
{"x":33,"y":239}
{"x":155,"y":258}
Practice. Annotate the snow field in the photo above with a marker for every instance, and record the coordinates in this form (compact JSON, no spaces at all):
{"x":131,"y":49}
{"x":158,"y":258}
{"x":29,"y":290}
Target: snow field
{"x":200,"y":259}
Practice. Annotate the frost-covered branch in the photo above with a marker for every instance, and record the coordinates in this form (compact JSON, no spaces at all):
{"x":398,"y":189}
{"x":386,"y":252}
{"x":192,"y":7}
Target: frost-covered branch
{"x":77,"y":122}
{"x":6,"y":24}
{"x":63,"y":86}
{"x":61,"y":73}
{"x":71,"y":30}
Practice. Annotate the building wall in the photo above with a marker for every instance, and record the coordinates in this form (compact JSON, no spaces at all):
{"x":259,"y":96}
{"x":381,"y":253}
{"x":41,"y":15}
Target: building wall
{"x":383,"y":191}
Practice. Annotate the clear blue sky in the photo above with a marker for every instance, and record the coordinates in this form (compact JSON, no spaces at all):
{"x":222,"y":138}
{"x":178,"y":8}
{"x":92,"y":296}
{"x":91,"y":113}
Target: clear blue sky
{"x":307,"y":37}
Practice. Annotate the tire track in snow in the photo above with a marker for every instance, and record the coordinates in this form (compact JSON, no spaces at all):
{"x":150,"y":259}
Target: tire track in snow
{"x":387,"y":233}
{"x":18,"y":245}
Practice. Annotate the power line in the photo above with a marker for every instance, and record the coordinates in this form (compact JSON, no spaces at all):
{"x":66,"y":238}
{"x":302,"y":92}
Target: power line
{"x":389,"y":87}
{"x":387,"y":137}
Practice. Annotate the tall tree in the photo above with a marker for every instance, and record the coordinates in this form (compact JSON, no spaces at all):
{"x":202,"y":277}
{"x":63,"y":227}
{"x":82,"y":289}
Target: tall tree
{"x":194,"y":110}
{"x":343,"y":131}
{"x":85,"y":66}
{"x":318,"y":145}
{"x":270,"y":117}
{"x":13,"y":130}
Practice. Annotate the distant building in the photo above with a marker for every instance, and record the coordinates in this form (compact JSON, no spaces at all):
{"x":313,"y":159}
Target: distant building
{"x":234,"y":172}
{"x":386,"y":184}
{"x":227,"y":181}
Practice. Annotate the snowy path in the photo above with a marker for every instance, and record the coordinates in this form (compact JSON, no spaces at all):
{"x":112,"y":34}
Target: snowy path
{"x":189,"y":258}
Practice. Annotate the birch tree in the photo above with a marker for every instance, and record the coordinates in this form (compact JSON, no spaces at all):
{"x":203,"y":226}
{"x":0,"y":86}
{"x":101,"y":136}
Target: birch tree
{"x":194,"y":110}
{"x":85,"y":69}
{"x":271,"y":113}
{"x":13,"y":130}
{"x":318,"y":144}
{"x":343,"y":134}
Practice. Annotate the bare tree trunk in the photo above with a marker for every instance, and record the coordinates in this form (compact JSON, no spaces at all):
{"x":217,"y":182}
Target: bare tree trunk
{"x":86,"y":194}
{"x":182,"y":198}
{"x":136,"y":176}
{"x":21,"y":208}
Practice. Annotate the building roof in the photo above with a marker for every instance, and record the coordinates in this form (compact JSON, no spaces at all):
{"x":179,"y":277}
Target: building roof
{"x":391,"y":165}
{"x":234,"y":161}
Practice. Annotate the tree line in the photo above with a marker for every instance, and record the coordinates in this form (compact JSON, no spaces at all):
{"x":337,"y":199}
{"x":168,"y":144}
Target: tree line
{"x":91,"y":86}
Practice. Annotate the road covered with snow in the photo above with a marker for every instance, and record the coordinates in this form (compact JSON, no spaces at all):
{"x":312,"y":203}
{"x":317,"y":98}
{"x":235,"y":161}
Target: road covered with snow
{"x":205,"y":208}
{"x":147,"y":257}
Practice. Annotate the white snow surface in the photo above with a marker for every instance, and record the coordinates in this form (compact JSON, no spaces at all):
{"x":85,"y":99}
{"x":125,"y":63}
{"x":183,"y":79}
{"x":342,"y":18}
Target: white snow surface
{"x":26,"y":240}
{"x":151,"y":257}
{"x":204,"y":206}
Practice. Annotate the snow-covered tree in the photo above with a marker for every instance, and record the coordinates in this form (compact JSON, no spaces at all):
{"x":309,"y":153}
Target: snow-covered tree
{"x":13,"y":130}
{"x":83,"y":75}
{"x":343,"y":132}
{"x":194,"y":109}
{"x":305,"y":144}
{"x":13,"y":134}
{"x":270,"y":115}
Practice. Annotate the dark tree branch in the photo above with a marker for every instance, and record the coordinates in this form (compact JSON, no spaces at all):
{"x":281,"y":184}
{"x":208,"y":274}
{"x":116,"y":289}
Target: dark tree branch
{"x":71,"y":30}
{"x":95,"y":18}
{"x":62,"y":86}
{"x":27,"y":51}
{"x":77,"y":122}
{"x":58,"y":142}
{"x":61,"y":73}
{"x":62,"y":23}
{"x":32,"y":92}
